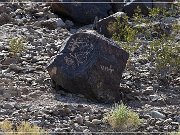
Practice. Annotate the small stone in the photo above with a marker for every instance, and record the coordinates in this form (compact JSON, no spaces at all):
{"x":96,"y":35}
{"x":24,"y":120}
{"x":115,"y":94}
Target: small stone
{"x":7,"y":95}
{"x":177,"y":118}
{"x":8,"y":61}
{"x":96,"y":121}
{"x":159,"y":123}
{"x":8,"y":106}
{"x":89,"y":124}
{"x":167,"y":121}
{"x":15,"y":67}
{"x":79,"y":119}
{"x":148,"y":91}
{"x":175,"y":123}
{"x":86,"y":118}
{"x":35,"y":94}
{"x":87,"y":132}
{"x":156,"y":114}
{"x":81,"y":108}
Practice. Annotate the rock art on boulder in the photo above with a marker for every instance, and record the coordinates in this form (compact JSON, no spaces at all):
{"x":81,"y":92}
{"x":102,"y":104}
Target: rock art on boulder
{"x":83,"y":13}
{"x":103,"y":25}
{"x":89,"y":64}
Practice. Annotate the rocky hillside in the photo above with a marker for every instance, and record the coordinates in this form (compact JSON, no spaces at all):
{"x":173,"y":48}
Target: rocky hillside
{"x":31,"y":34}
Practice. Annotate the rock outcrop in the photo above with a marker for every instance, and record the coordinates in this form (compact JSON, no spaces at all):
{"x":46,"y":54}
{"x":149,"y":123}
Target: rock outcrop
{"x":104,"y":25}
{"x":83,"y":13}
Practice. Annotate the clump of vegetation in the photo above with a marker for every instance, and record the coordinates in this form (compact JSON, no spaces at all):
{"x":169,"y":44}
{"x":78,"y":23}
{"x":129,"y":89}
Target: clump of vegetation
{"x":154,"y":12}
{"x":8,"y":128}
{"x":122,"y":31}
{"x":121,"y":118}
{"x":165,"y":54}
{"x":175,"y":133}
{"x":163,"y":49}
{"x":17,"y":45}
{"x":138,"y":18}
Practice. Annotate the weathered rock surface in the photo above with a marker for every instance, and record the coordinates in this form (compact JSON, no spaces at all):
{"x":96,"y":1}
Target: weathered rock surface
{"x":103,"y":26}
{"x":89,"y":64}
{"x":84,"y":13}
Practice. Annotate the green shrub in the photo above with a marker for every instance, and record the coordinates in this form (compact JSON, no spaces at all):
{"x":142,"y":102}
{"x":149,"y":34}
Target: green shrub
{"x":138,"y":18}
{"x":124,"y":34}
{"x":17,"y":45}
{"x":122,"y":118}
{"x":121,"y":30}
{"x":165,"y":53}
{"x":154,"y":12}
{"x":24,"y":128}
{"x":175,"y":133}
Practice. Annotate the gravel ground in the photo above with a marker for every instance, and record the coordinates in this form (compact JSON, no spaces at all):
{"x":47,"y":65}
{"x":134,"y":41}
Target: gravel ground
{"x":26,"y":91}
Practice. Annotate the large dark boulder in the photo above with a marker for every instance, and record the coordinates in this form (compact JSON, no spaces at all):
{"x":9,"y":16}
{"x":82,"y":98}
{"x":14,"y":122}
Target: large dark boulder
{"x":162,"y":3}
{"x":83,"y":13}
{"x":104,"y":26}
{"x":131,"y":7}
{"x":117,"y":5}
{"x":91,"y":65}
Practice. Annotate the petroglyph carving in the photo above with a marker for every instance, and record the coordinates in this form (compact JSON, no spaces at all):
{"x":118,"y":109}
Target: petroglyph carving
{"x":108,"y":69}
{"x":80,"y":51}
{"x":68,"y":61}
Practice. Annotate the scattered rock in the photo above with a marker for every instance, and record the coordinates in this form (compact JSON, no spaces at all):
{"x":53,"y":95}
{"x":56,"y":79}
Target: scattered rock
{"x":149,"y":91}
{"x":4,"y":19}
{"x":79,"y":119}
{"x":96,"y":121}
{"x":8,"y":105}
{"x":51,"y":24}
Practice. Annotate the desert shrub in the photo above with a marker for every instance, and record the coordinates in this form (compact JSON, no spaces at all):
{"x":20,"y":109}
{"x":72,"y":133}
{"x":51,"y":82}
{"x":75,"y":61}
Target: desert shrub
{"x":138,"y":18}
{"x":154,"y":12}
{"x":121,"y":30}
{"x":17,"y":45}
{"x":121,"y":118}
{"x":165,"y":54}
{"x":163,"y":49}
{"x":8,"y":128}
{"x":175,"y":133}
{"x":124,"y":34}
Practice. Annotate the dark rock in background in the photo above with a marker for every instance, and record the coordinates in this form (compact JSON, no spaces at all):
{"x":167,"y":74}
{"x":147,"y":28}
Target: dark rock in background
{"x":117,"y":5}
{"x":83,"y":13}
{"x":131,"y":7}
{"x":103,"y":25}
{"x":91,"y":65}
